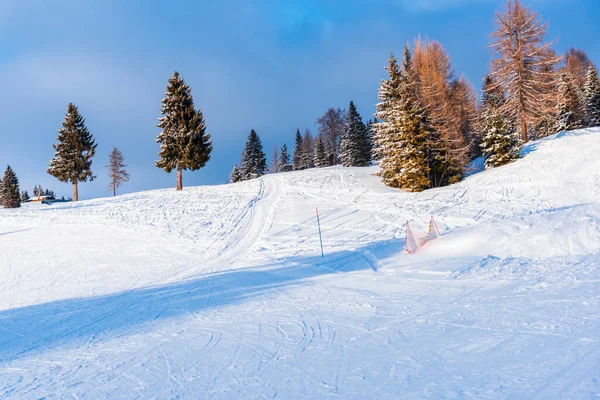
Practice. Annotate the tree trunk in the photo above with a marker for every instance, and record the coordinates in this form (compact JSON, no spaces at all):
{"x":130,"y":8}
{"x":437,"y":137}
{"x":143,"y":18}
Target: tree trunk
{"x":524,"y":134}
{"x":179,"y":179}
{"x":75,"y":192}
{"x":114,"y":190}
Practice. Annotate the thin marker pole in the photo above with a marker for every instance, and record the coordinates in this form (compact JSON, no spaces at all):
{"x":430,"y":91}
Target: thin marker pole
{"x":320,"y":237}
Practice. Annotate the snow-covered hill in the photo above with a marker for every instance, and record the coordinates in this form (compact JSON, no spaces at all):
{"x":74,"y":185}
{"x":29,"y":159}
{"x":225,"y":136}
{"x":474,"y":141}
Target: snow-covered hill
{"x":220,"y":292}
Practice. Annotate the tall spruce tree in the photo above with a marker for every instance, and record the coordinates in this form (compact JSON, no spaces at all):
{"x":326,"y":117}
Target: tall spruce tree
{"x":283,"y":164}
{"x":386,"y":130}
{"x":274,"y":160}
{"x":184,"y":142}
{"x":500,"y":144}
{"x":74,"y":151}
{"x":307,"y":149}
{"x":320,"y":158}
{"x":355,"y":147}
{"x":592,"y":98}
{"x":415,"y":155}
{"x":298,"y":159}
{"x":10,"y":194}
{"x":116,"y":170}
{"x":403,"y":133}
{"x":236,"y":174}
{"x":254,"y":160}
{"x":565,"y":112}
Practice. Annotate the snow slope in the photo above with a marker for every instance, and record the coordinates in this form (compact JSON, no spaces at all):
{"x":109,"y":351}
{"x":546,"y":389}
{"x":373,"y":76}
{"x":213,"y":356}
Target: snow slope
{"x":220,"y":292}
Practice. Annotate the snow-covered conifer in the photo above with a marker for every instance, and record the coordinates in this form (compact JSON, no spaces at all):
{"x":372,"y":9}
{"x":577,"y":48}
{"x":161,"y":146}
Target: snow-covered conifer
{"x":254,"y":160}
{"x":500,"y":144}
{"x":355,"y":147}
{"x":565,"y":113}
{"x":402,"y":133}
{"x":283,"y":164}
{"x":74,"y":151}
{"x":236,"y":174}
{"x":10,"y":195}
{"x":184,"y":142}
{"x":592,"y":98}
{"x":320,"y":158}
{"x":386,"y":129}
{"x":298,"y":159}
{"x":307,"y":150}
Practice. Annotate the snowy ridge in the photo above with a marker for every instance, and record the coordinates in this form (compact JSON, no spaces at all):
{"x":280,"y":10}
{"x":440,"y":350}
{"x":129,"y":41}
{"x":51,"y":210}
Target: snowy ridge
{"x":221,"y":290}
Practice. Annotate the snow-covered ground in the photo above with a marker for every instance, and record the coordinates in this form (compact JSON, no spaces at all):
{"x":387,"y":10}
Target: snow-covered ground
{"x":220,"y":292}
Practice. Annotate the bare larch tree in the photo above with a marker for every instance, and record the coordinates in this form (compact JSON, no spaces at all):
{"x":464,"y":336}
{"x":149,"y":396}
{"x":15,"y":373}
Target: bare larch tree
{"x":523,"y":64}
{"x":116,"y":170}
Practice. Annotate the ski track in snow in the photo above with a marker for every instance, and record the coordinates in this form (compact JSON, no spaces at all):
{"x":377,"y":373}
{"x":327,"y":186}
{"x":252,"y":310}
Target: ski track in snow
{"x":220,"y":292}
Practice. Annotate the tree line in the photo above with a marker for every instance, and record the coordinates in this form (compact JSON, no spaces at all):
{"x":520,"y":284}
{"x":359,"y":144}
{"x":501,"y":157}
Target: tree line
{"x":427,"y":128}
{"x":343,"y":139}
{"x":429,"y":124}
{"x":184,"y":144}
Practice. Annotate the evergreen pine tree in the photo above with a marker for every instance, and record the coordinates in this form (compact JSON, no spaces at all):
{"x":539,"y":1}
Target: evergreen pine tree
{"x":24,"y":196}
{"x":565,"y":116}
{"x":307,"y":150}
{"x":386,"y":130}
{"x":116,"y":170}
{"x":236,"y":174}
{"x":274,"y":160}
{"x":298,"y":159}
{"x":592,"y":98}
{"x":254,"y":160}
{"x":355,"y":148}
{"x":402,"y":133}
{"x":74,"y":151}
{"x":320,"y":158}
{"x":499,"y":144}
{"x":10,"y":195}
{"x":184,"y":142}
{"x":414,"y":133}
{"x":283,"y":164}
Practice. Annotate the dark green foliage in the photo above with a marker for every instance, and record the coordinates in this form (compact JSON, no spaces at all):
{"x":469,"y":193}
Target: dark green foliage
{"x":320,"y":158}
{"x":283,"y":164}
{"x":74,"y":150}
{"x":592,"y":98}
{"x":500,"y":144}
{"x":254,"y":160}
{"x":298,"y":159}
{"x":412,"y":153}
{"x":566,"y":117}
{"x":236,"y":174}
{"x":355,"y":148}
{"x":24,"y":196}
{"x":9,"y":190}
{"x":307,"y":150}
{"x":386,"y":136}
{"x":184,"y":142}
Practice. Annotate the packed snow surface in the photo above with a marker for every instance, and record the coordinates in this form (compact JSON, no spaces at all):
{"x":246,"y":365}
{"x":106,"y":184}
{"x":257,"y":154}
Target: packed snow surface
{"x":221,"y":292}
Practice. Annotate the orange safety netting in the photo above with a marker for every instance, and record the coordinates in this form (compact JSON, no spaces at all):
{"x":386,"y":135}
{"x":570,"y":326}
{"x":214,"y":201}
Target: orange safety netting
{"x":415,"y":239}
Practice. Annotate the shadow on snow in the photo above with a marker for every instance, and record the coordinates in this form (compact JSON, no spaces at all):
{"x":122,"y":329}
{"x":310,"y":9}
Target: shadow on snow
{"x":72,"y":322}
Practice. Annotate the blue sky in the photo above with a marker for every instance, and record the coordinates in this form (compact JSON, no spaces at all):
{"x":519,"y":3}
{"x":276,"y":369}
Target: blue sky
{"x":269,"y":65}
